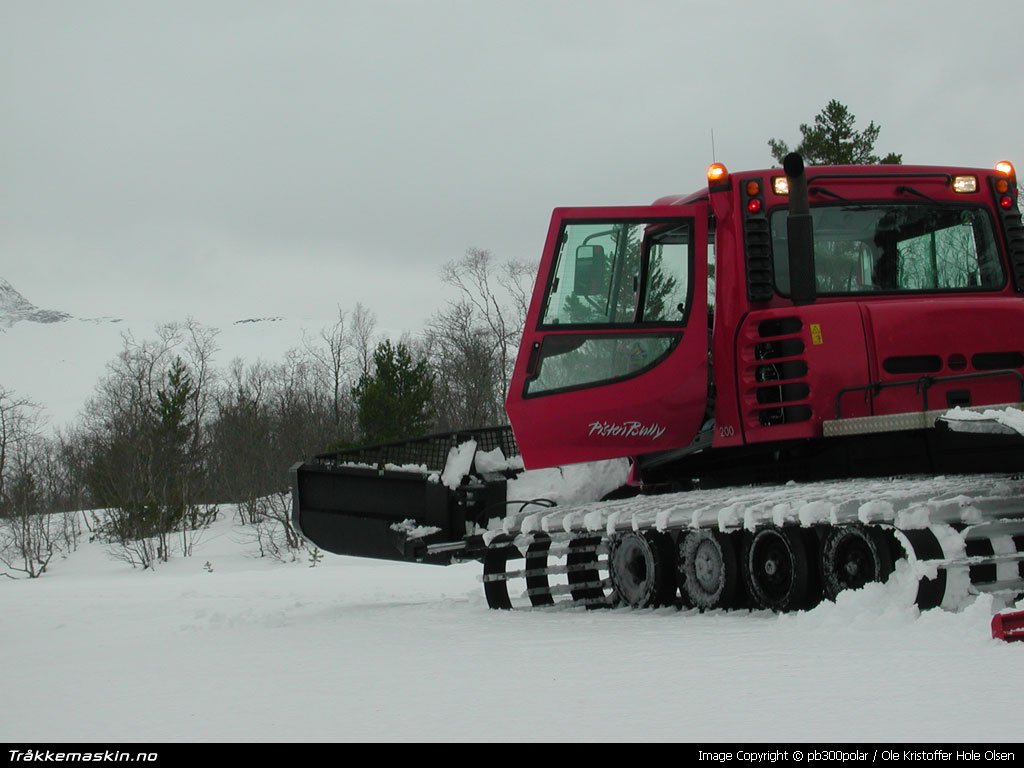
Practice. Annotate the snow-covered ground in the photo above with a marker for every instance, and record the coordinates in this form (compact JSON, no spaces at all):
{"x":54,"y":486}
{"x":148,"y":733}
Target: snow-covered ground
{"x":224,"y":646}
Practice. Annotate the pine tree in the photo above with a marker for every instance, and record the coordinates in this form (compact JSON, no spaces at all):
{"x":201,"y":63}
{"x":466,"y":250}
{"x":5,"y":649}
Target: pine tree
{"x":832,"y":140}
{"x":393,"y":401}
{"x":172,"y":431}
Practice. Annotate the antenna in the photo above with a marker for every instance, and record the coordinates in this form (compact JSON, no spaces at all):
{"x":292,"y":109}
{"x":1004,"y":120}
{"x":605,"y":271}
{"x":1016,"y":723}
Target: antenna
{"x":713,"y":158}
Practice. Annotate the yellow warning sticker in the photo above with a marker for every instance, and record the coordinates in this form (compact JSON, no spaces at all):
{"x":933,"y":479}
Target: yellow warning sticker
{"x":816,"y":339}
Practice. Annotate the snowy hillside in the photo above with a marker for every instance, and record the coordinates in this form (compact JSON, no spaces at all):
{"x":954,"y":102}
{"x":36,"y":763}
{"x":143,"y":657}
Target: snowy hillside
{"x":57,"y":359}
{"x":15,"y":308}
{"x":224,"y":646}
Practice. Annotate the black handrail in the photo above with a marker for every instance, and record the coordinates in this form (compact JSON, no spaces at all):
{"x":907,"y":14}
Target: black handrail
{"x":924,"y":383}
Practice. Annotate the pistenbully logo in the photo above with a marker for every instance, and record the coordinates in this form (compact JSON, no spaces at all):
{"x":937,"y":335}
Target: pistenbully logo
{"x":626,"y":429}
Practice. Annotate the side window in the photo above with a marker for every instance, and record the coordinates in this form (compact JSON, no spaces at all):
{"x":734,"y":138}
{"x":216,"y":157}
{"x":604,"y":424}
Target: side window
{"x":600,"y":266}
{"x":668,"y":276}
{"x":960,"y":256}
{"x":594,"y":280}
{"x":575,"y":360}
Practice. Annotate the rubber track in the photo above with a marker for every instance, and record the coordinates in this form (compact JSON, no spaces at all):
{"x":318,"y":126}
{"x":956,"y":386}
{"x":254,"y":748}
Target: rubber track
{"x":938,"y":518}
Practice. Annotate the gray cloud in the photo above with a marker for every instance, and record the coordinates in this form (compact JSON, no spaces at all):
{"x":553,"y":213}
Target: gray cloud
{"x":281,"y":158}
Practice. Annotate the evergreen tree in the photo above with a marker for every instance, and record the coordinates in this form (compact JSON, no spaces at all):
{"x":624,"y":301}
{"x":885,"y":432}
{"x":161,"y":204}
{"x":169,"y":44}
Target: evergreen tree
{"x":393,"y":402}
{"x":172,"y":430}
{"x":832,"y":140}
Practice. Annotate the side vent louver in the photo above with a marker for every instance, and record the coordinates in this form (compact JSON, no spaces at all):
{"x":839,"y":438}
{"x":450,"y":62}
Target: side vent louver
{"x":778,"y":373}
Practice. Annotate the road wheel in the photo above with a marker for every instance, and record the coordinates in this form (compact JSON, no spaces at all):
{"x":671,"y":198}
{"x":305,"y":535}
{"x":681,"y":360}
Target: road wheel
{"x":641,"y":566}
{"x":852,"y":556}
{"x":777,"y":568}
{"x":708,"y":571}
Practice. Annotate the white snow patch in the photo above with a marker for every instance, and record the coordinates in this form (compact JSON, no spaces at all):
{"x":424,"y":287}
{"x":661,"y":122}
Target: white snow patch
{"x":917,"y":516}
{"x":531,"y":523}
{"x":571,"y":484}
{"x":460,"y":460}
{"x":661,"y":520}
{"x":491,"y":461}
{"x":417,"y":468}
{"x":613,"y":522}
{"x":782,"y":513}
{"x":875,"y":511}
{"x":971,"y":515}
{"x":958,"y":579}
{"x":817,"y":512}
{"x":593,"y":521}
{"x":413,"y":530}
{"x":960,"y":419}
{"x":731,"y":517}
{"x":868,"y":609}
{"x":492,"y":533}
{"x":410,"y":632}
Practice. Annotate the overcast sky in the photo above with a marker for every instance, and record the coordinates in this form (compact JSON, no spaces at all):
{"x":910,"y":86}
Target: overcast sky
{"x":238,"y":159}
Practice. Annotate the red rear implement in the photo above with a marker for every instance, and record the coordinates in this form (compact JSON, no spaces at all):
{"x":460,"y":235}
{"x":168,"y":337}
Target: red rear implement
{"x":1008,"y":626}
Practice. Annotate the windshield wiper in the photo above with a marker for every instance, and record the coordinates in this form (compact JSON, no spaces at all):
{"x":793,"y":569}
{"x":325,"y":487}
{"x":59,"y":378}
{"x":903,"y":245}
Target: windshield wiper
{"x":827,"y":193}
{"x":902,"y":189}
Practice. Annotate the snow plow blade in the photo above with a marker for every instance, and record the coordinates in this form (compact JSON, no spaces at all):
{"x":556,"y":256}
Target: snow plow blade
{"x":391,"y":502}
{"x":1008,"y":626}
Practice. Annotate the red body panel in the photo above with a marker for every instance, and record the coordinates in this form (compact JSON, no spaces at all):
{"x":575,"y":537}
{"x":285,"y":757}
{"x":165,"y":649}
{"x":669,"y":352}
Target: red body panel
{"x":778,"y":369}
{"x":956,"y":336}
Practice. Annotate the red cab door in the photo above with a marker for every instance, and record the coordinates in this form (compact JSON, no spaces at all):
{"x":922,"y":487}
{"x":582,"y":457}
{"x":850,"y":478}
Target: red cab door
{"x":613,"y":360}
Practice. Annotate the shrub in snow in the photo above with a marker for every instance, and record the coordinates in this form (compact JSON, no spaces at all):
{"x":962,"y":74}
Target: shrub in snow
{"x":272,"y":530}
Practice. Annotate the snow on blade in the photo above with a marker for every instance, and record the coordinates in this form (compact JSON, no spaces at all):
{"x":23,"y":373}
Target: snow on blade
{"x":491,"y":461}
{"x":460,"y":460}
{"x":413,"y":530}
{"x":571,"y":484}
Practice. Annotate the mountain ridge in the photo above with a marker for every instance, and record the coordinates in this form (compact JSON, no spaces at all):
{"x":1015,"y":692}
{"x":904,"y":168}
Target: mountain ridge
{"x":15,"y":308}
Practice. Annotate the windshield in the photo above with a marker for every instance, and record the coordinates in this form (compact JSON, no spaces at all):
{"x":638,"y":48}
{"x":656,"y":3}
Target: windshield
{"x":877,"y":248}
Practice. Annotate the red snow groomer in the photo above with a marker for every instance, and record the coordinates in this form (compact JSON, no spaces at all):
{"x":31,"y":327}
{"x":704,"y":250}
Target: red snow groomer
{"x":778,"y":325}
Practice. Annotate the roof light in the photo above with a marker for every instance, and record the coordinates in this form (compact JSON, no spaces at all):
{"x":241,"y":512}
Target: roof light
{"x":753,"y":188}
{"x":1006,"y":167}
{"x":753,"y":205}
{"x":780,"y":185}
{"x":717,"y":173}
{"x":963,"y":184}
{"x":1006,"y":202}
{"x":1002,"y":186}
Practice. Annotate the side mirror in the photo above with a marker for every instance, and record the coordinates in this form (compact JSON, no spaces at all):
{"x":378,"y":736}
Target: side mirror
{"x":591,"y":274}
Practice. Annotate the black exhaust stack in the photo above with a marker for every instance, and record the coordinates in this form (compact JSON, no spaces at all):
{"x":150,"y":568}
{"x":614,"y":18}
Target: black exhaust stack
{"x":803,"y":288}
